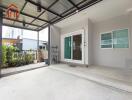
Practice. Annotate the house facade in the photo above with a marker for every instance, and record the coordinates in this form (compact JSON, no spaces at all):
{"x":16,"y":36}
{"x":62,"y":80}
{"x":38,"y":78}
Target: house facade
{"x":104,"y":40}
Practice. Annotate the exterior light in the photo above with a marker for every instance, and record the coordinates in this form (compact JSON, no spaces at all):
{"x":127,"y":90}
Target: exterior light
{"x":77,"y":11}
{"x":39,"y":6}
{"x":24,"y":24}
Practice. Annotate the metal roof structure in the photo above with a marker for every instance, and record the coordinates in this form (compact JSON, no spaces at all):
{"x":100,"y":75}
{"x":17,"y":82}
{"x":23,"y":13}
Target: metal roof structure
{"x":51,"y":12}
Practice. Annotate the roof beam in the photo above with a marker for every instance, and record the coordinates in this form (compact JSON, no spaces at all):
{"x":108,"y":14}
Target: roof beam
{"x":34,"y":3}
{"x":73,"y":4}
{"x":86,"y":5}
{"x":18,"y":27}
{"x":90,"y":3}
{"x":43,"y":26}
{"x":21,"y":9}
{"x":20,"y":21}
{"x":28,"y":15}
{"x":23,"y":6}
{"x":44,"y":11}
{"x":25,"y":14}
{"x":65,"y":14}
{"x":66,"y":11}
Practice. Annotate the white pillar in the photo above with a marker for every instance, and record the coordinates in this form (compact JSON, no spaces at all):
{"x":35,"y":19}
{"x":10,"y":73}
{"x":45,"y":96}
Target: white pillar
{"x":37,"y":46}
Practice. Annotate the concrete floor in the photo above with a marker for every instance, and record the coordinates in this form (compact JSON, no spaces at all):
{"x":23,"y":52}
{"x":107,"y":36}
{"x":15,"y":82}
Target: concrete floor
{"x":50,"y":84}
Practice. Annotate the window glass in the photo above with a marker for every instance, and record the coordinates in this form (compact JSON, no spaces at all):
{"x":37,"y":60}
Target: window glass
{"x":106,"y":40}
{"x":120,"y":39}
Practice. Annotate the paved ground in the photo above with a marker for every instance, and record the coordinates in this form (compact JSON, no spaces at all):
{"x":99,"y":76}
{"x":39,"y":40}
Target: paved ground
{"x":49,"y":84}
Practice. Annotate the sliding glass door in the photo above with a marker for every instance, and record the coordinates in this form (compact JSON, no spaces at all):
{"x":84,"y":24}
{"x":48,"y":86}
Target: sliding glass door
{"x":73,"y":47}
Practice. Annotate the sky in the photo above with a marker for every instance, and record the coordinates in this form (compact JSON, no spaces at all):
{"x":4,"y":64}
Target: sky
{"x":7,"y":33}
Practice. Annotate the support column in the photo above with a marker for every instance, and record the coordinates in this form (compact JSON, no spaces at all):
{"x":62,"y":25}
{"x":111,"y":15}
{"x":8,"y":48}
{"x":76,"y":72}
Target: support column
{"x":1,"y":21}
{"x":38,"y":46}
{"x":49,"y":45}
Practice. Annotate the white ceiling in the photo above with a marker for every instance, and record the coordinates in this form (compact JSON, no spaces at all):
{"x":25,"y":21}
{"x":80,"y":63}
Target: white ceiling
{"x":102,"y":11}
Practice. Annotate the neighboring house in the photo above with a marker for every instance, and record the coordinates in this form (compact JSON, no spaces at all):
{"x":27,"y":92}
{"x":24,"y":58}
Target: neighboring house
{"x":25,"y":43}
{"x":12,"y":42}
{"x":9,"y":41}
{"x":28,"y":44}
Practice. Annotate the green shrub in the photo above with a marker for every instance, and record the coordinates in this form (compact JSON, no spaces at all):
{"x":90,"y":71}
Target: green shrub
{"x":28,"y":58}
{"x":10,"y":51}
{"x":4,"y":51}
{"x":4,"y":54}
{"x":12,"y":57}
{"x":12,"y":60}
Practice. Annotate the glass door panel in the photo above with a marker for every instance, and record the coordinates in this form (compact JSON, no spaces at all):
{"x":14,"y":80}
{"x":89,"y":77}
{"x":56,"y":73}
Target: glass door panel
{"x":67,"y":48}
{"x":77,"y":47}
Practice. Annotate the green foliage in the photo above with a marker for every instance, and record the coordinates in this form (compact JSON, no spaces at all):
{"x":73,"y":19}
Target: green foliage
{"x":12,"y":57}
{"x":28,"y":58}
{"x":10,"y":51}
{"x":4,"y":51}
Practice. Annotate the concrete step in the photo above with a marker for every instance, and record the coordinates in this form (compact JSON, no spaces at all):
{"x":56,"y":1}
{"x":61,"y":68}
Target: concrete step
{"x":101,"y":79}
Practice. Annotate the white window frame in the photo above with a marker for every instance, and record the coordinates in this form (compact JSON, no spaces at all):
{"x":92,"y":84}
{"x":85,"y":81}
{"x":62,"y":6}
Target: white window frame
{"x":112,"y":38}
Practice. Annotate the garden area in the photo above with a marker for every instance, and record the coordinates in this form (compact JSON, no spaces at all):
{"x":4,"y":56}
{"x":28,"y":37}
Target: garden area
{"x":13,"y":57}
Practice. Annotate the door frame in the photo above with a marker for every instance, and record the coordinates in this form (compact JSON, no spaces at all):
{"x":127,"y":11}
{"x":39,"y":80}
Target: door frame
{"x":72,"y":34}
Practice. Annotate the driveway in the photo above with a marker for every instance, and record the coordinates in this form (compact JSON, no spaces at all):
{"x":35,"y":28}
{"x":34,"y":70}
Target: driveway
{"x":49,"y":84}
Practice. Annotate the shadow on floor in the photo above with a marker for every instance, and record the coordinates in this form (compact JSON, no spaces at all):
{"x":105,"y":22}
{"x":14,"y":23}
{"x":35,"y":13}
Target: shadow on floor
{"x":20,"y":71}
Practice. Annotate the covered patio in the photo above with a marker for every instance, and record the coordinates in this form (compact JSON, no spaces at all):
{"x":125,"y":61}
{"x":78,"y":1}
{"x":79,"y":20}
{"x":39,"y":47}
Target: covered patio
{"x":89,"y":50}
{"x":36,"y":15}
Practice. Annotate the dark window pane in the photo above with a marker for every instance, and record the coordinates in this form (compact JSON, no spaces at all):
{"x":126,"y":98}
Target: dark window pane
{"x":106,"y":40}
{"x":77,"y":49}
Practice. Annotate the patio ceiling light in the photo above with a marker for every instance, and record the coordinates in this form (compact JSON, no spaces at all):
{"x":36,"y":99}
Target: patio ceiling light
{"x":77,"y":11}
{"x":39,"y":6}
{"x":24,"y":24}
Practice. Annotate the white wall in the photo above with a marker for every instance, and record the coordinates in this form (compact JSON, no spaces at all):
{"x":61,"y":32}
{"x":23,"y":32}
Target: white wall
{"x":112,"y":57}
{"x":54,"y":40}
{"x":90,"y":43}
{"x":93,"y":53}
{"x":28,"y":44}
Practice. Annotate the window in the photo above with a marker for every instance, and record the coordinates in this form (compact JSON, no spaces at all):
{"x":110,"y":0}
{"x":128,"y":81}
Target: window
{"x":115,"y":39}
{"x":106,"y":40}
{"x":120,"y":39}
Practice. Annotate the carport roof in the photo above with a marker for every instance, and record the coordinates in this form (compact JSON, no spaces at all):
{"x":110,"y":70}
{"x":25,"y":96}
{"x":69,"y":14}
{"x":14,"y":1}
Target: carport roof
{"x":52,"y":12}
